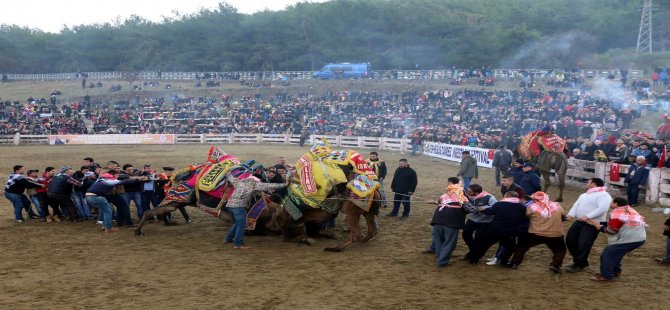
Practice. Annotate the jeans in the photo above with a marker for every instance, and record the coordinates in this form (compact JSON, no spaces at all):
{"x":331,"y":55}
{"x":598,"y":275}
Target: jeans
{"x":610,"y":259}
{"x":236,"y":232}
{"x":149,"y":198}
{"x":82,"y":207}
{"x":444,"y":239}
{"x":579,"y":239}
{"x":415,"y":148}
{"x":122,"y":209}
{"x":667,"y":248}
{"x":37,"y":201}
{"x":397,"y":199}
{"x":137,"y":198}
{"x":466,"y":182}
{"x":20,"y":202}
{"x":381,"y":190}
{"x":105,"y":209}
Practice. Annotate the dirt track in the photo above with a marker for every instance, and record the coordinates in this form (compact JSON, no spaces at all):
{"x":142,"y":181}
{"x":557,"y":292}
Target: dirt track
{"x":75,"y":266}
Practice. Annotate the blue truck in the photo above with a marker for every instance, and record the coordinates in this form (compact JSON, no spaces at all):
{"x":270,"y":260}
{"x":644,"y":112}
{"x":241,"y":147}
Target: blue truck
{"x":343,"y":71}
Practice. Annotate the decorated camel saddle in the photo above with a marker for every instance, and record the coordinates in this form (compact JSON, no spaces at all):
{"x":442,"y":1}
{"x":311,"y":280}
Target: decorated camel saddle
{"x":538,"y":141}
{"x":320,"y":170}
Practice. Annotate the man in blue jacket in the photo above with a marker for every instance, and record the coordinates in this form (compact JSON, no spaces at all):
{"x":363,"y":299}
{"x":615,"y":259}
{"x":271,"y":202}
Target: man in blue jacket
{"x":528,"y":179}
{"x":636,"y":179}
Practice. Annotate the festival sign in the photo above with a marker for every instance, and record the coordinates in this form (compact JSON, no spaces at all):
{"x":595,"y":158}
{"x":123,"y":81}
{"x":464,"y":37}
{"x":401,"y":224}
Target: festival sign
{"x":111,"y":139}
{"x":452,"y":152}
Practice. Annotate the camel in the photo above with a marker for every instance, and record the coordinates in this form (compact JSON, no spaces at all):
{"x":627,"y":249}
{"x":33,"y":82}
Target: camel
{"x":548,"y":159}
{"x":558,"y":163}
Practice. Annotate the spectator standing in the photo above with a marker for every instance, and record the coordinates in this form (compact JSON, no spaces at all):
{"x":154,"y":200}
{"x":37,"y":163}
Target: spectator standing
{"x":379,"y":167}
{"x":468,"y":169}
{"x":592,"y":205}
{"x":636,"y":179}
{"x":502,"y":160}
{"x":626,"y":228}
{"x":403,"y":185}
{"x":415,"y":140}
{"x":14,"y":189}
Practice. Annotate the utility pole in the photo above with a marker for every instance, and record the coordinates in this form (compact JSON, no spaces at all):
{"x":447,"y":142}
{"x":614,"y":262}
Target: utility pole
{"x":644,"y":38}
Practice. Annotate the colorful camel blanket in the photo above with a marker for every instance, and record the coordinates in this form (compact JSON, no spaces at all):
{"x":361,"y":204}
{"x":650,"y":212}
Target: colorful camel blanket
{"x":254,"y":213}
{"x":211,"y":176}
{"x":355,"y":160}
{"x":179,"y":192}
{"x":362,"y":186}
{"x":532,"y":144}
{"x":317,"y":178}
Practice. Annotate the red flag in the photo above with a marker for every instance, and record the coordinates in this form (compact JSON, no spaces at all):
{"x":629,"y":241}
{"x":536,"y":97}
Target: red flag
{"x":615,"y":170}
{"x":664,"y":156}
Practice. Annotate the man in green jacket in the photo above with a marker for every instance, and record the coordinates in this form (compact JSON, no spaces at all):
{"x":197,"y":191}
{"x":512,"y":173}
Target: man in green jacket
{"x":469,"y":169}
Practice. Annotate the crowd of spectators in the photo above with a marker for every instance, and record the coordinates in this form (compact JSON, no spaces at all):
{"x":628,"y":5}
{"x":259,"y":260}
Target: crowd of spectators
{"x":481,"y":117}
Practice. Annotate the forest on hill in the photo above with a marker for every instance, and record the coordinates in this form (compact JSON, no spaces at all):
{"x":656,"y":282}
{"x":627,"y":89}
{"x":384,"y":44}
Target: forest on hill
{"x":403,"y":34}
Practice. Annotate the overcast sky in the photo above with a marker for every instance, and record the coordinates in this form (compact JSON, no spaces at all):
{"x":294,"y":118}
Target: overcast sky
{"x":51,"y":15}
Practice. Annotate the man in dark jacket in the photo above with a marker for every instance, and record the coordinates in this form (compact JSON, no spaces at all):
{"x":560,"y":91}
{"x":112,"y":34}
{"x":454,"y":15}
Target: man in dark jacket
{"x":508,"y":185}
{"x":468,"y":170}
{"x":636,"y":179}
{"x":509,"y":215}
{"x":14,"y":188}
{"x":502,"y":160}
{"x":529,"y":180}
{"x":96,"y":193}
{"x":60,"y":191}
{"x":403,"y":185}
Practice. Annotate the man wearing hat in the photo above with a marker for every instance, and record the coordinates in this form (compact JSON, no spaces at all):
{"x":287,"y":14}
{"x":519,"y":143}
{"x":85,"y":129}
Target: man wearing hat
{"x":60,"y":191}
{"x":528,"y":179}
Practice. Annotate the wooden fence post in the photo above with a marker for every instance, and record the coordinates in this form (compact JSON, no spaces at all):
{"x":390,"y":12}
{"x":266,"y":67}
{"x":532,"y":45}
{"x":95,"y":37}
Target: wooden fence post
{"x":600,"y":170}
{"x":653,"y":184}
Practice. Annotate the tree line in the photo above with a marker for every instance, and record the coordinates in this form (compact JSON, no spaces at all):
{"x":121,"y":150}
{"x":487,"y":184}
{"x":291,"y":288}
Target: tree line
{"x":389,"y":34}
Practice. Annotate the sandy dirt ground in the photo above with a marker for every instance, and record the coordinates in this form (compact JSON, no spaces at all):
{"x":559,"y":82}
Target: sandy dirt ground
{"x":76,"y":266}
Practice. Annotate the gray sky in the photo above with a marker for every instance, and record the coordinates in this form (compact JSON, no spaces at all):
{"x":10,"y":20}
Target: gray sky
{"x":51,"y":15}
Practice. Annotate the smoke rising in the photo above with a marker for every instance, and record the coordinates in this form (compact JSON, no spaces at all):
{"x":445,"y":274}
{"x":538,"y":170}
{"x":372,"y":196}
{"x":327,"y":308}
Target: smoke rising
{"x":557,"y":51}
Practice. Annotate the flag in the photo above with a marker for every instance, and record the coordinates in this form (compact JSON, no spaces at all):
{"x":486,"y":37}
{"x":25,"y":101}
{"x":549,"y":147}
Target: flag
{"x":664,"y":157}
{"x":615,"y":172}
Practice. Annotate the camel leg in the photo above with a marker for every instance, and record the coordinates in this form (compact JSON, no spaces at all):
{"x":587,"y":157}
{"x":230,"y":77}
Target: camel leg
{"x":547,"y":181}
{"x":372,"y":226}
{"x":162,"y":210}
{"x":352,"y":219}
{"x":561,"y":186}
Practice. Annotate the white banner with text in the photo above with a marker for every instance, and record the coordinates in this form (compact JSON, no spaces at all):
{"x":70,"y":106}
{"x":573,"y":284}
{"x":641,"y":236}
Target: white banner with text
{"x":453,"y":152}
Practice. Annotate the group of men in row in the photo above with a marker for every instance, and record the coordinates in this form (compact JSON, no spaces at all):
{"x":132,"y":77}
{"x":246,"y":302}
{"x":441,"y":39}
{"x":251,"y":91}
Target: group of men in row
{"x":522,"y":220}
{"x":64,"y":194}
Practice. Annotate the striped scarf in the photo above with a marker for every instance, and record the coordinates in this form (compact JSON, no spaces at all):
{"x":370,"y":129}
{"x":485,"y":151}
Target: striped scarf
{"x":453,"y":195}
{"x":628,"y":215}
{"x":596,"y":190}
{"x":13,"y":178}
{"x":543,"y":206}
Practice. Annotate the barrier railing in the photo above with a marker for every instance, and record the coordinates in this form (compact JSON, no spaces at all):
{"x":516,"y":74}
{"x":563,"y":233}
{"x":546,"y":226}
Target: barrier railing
{"x":306,"y":75}
{"x":657,"y":189}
